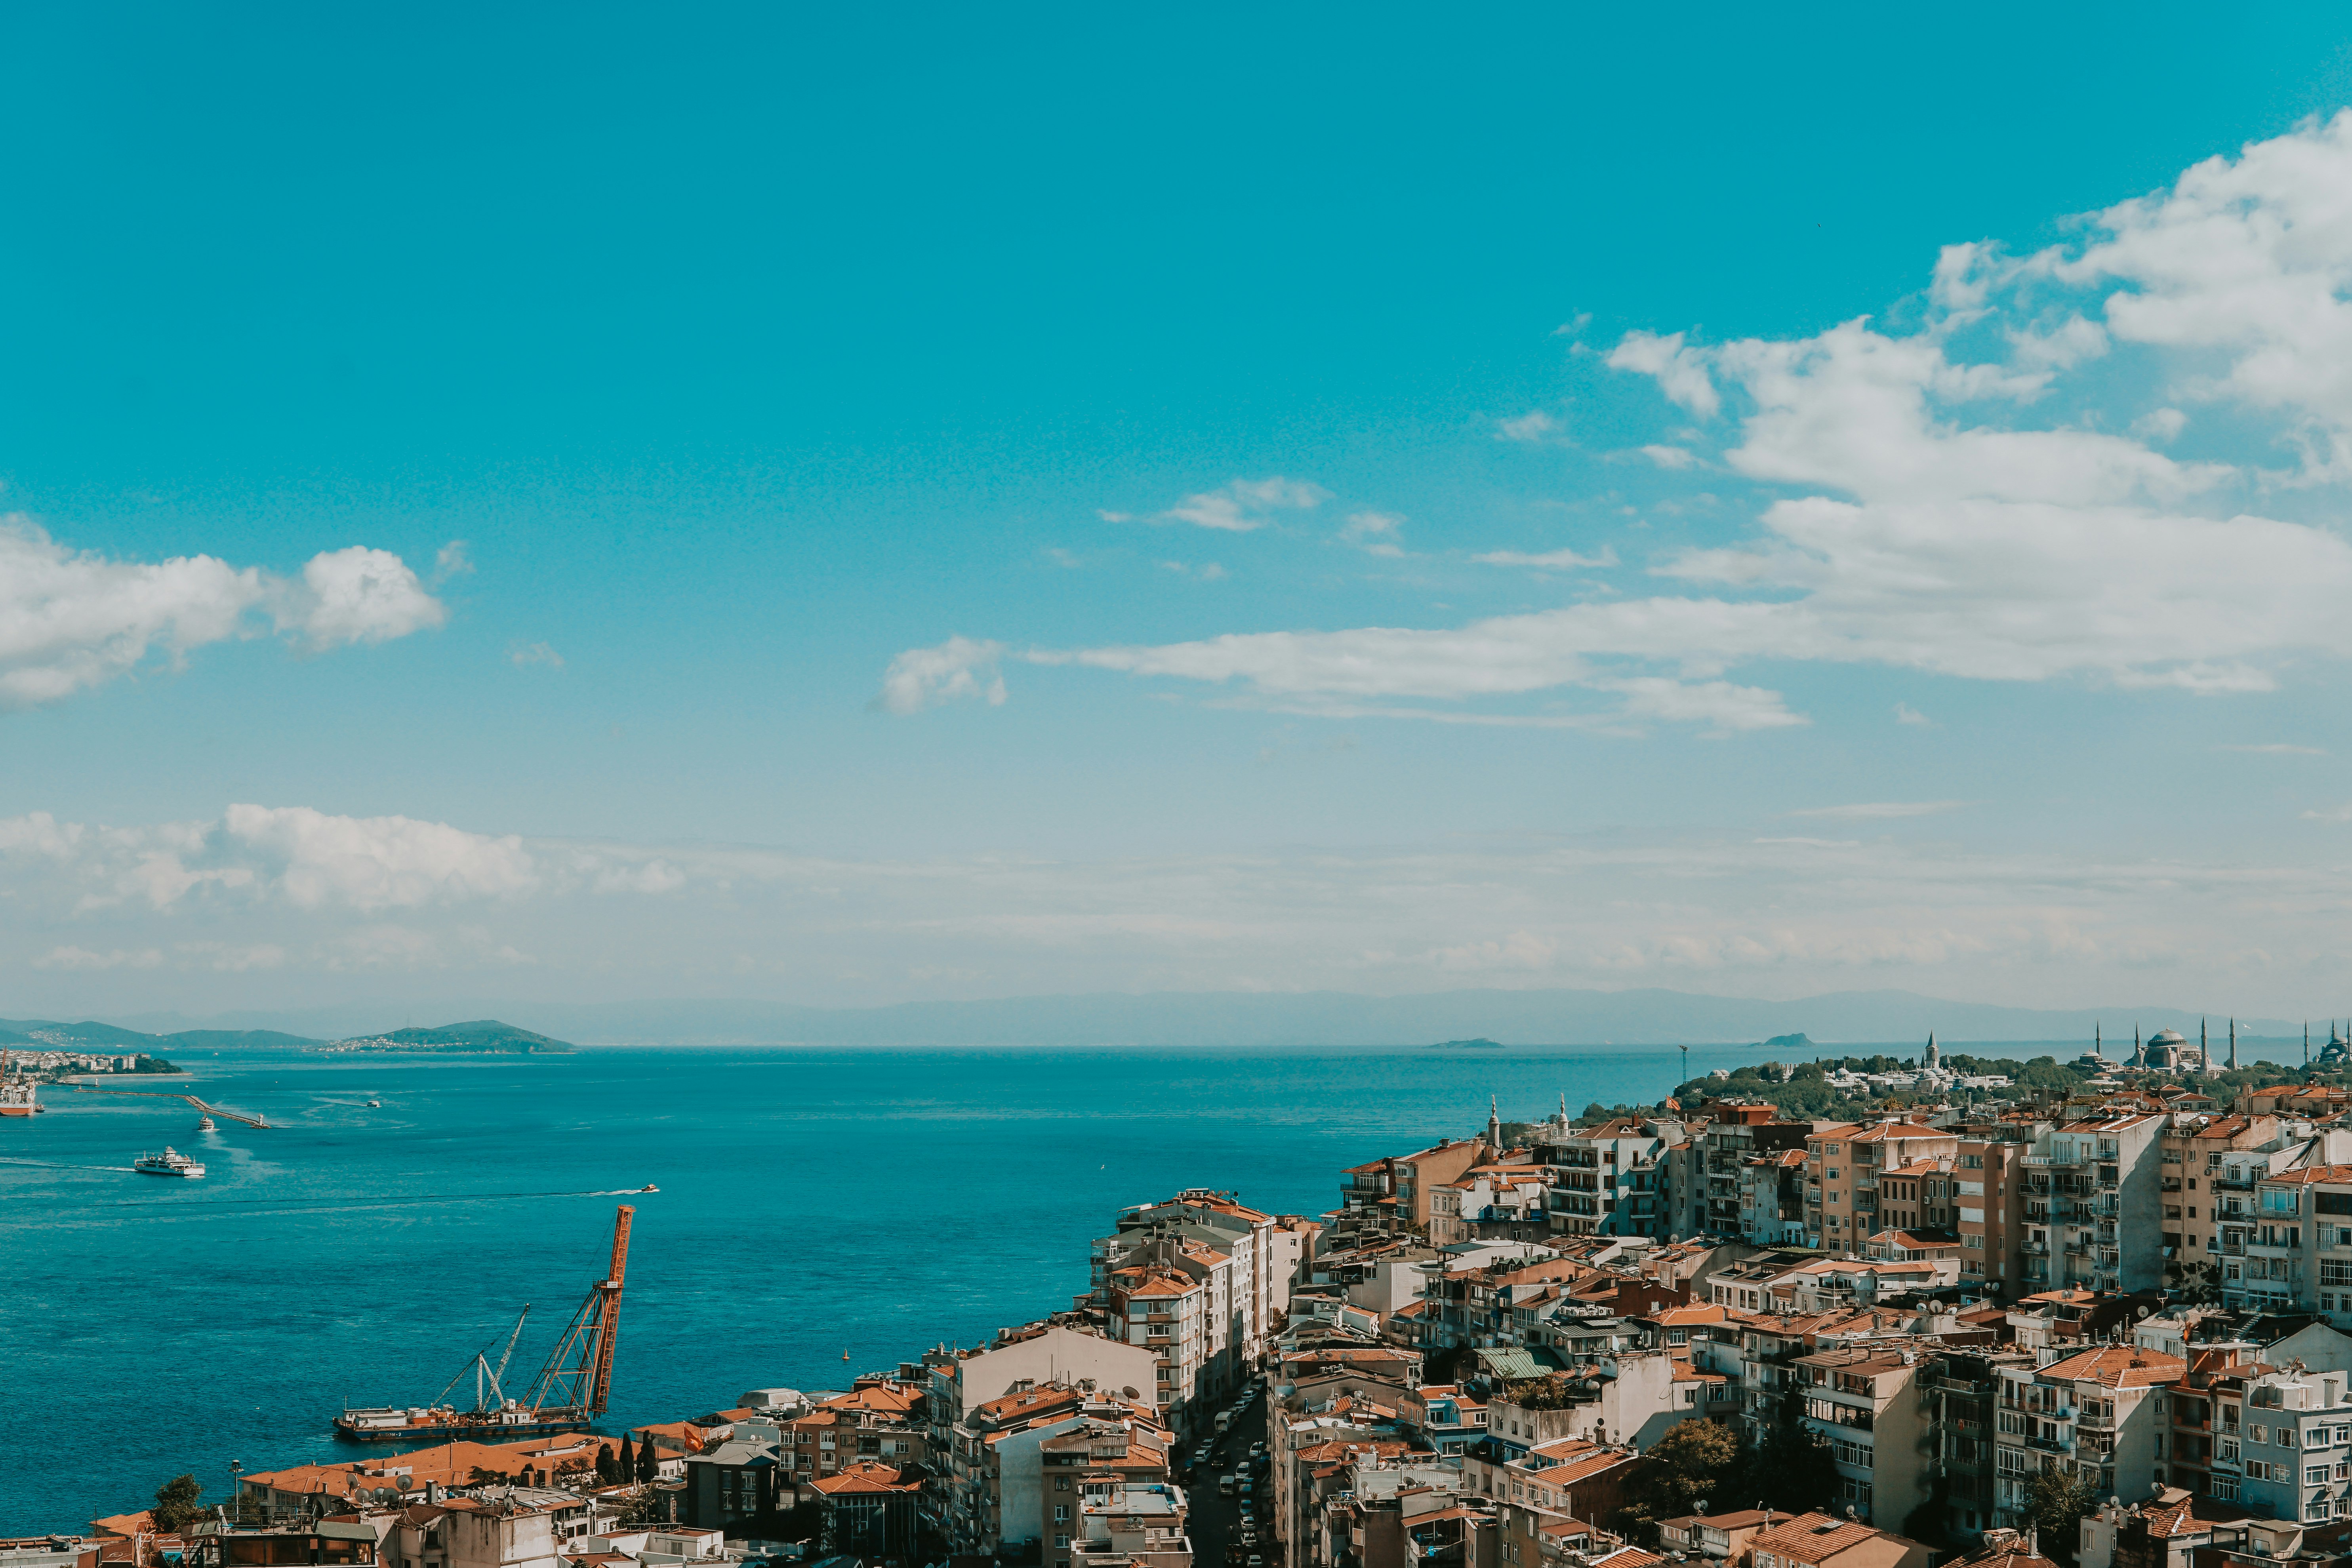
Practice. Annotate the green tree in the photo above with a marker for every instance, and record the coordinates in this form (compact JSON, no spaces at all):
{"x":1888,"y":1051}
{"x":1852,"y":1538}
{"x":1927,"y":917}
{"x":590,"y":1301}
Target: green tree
{"x":1789,"y":1470}
{"x":1680,"y":1471}
{"x":647,"y":1466}
{"x":176,"y":1508}
{"x":2056,"y":1503}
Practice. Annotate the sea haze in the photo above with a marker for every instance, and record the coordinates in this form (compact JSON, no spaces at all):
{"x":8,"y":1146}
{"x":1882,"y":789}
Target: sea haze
{"x":811,"y":1201}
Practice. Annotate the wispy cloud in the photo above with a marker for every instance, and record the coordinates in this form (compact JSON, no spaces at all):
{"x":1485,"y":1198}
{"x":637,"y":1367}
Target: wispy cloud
{"x":2277,"y":749}
{"x":1881,"y":810}
{"x":1907,"y":714}
{"x":1530,"y":427}
{"x":523,"y":655}
{"x":1246,"y":504}
{"x":1374,"y":533}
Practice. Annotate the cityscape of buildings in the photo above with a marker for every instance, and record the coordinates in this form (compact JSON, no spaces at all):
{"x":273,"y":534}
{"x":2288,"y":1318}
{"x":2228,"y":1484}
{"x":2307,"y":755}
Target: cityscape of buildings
{"x":2138,"y":1283}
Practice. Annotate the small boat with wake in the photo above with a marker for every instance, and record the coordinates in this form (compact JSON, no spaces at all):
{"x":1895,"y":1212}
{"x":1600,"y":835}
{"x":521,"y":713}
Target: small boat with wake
{"x":170,"y":1162}
{"x":204,"y":1124}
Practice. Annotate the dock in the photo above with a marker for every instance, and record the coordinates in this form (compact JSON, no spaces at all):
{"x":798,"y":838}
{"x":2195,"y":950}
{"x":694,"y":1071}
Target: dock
{"x":192,"y":1099}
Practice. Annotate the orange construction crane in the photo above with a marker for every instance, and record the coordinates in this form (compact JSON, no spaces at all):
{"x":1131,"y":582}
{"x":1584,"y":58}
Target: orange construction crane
{"x":608,"y":1317}
{"x":578,"y":1375}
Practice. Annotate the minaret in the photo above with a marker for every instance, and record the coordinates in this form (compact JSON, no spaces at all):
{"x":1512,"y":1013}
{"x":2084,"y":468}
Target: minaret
{"x":2098,"y":1045}
{"x":2139,"y":1052}
{"x":1934,"y":1058}
{"x":2233,"y":1045}
{"x":1494,"y":1126}
{"x":2203,"y":1060}
{"x":1563,"y":1109}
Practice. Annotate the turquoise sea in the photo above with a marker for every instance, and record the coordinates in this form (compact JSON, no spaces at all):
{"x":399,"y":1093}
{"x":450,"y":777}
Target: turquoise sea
{"x":811,"y":1201}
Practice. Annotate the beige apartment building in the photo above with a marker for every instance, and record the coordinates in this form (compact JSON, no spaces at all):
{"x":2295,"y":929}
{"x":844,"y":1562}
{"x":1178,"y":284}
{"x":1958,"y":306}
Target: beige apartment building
{"x":1864,"y":1401}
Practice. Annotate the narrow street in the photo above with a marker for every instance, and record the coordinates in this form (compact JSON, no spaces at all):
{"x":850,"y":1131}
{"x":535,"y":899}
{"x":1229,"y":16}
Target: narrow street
{"x":1216,"y":1520}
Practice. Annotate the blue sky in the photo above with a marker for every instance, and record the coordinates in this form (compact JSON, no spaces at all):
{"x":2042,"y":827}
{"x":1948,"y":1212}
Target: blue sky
{"x":708,"y":375}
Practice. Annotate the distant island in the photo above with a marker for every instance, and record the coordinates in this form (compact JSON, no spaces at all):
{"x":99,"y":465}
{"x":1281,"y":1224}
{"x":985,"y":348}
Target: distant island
{"x":484,"y":1037}
{"x":52,"y":1049}
{"x":1467,"y":1045}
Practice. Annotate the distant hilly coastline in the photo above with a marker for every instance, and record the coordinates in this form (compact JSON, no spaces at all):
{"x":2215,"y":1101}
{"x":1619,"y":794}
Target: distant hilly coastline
{"x":484,"y":1037}
{"x":1519,"y":1019}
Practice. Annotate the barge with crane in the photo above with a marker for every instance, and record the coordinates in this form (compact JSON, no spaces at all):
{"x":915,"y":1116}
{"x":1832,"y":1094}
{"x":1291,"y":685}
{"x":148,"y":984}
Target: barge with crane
{"x":568,"y":1393}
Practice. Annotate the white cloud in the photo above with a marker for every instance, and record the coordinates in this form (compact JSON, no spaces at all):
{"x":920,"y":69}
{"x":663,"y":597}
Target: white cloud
{"x":1884,"y":810}
{"x":1246,"y":504}
{"x":451,"y":561}
{"x":1670,"y":457}
{"x":1965,"y":516}
{"x":2250,"y":259}
{"x":70,"y":619}
{"x":2277,"y":749}
{"x":956,"y":670}
{"x":1532,"y":426}
{"x":2333,"y":813}
{"x":1718,"y":704}
{"x":1682,"y":373}
{"x":358,"y":595}
{"x":1548,"y":560}
{"x":377,"y":862}
{"x":522,"y":656}
{"x":2160,"y":424}
{"x":1907,"y":714}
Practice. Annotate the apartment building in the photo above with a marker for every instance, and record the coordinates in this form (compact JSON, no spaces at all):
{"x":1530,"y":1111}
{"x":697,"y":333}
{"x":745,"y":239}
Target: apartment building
{"x":2095,"y":1182}
{"x":1247,"y":1261}
{"x":2284,"y":1236}
{"x":2192,"y":1153}
{"x":1104,"y":1491}
{"x":994,"y":1488}
{"x":1608,"y":1180}
{"x":1734,"y":1134}
{"x":1820,"y":1540}
{"x":1033,"y":1355}
{"x":1905,"y":1200}
{"x":1395,"y":1191}
{"x":1985,"y":1193}
{"x":1175,"y":1312}
{"x":1570,"y":1476}
{"x":1865,"y":1403}
{"x":1125,"y":1524}
{"x":2293,"y":1446}
{"x":1772,"y":1198}
{"x":2101,"y":1414}
{"x":1958,"y":1391}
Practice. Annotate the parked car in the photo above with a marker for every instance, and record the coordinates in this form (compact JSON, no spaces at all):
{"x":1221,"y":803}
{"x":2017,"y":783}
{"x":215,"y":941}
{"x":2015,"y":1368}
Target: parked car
{"x":1225,"y":1484}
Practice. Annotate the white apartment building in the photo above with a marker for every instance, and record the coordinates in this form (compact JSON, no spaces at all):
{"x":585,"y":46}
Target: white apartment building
{"x":2101,"y":1414}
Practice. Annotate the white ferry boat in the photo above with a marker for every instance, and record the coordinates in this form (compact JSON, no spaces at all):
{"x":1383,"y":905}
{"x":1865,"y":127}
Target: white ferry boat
{"x":204,"y":1124}
{"x":170,"y":1162}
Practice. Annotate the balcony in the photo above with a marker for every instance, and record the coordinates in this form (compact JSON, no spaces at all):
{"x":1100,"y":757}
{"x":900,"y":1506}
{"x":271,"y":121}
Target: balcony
{"x":2047,"y":1445}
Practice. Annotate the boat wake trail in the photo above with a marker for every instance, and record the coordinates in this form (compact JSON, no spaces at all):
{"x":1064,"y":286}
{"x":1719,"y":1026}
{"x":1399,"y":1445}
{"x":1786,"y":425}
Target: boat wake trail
{"x":55,"y":1165}
{"x":351,"y":1201}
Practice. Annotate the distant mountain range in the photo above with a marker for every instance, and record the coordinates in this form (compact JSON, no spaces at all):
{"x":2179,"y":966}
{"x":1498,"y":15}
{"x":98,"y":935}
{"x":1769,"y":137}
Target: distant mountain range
{"x":1518,"y":1018}
{"x":487,"y":1035}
